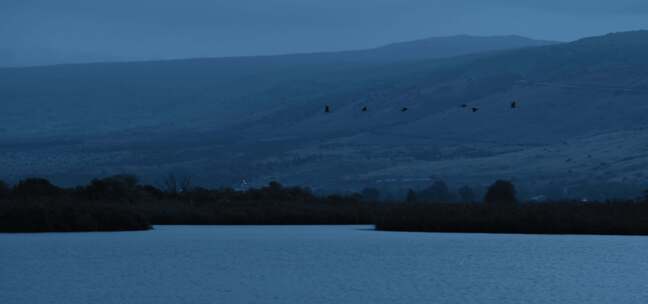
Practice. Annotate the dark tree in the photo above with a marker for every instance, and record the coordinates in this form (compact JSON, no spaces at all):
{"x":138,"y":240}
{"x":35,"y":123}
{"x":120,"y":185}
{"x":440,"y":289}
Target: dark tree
{"x":411,"y":196}
{"x":466,"y":194}
{"x":115,"y":187}
{"x":4,"y":189}
{"x":370,"y":194}
{"x":501,"y":193}
{"x":275,"y":186}
{"x":36,"y":187}
{"x":172,"y":186}
{"x":438,"y":192}
{"x":273,"y":191}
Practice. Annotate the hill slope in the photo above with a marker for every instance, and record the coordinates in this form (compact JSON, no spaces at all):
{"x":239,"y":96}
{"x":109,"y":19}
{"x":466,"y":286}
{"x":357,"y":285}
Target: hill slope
{"x":262,"y":118}
{"x":72,"y":99}
{"x":435,"y":47}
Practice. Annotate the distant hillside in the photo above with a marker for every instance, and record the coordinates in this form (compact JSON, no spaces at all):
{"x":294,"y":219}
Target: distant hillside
{"x":436,"y":47}
{"x":208,"y":93}
{"x":578,"y":124}
{"x":441,"y":47}
{"x":11,"y":56}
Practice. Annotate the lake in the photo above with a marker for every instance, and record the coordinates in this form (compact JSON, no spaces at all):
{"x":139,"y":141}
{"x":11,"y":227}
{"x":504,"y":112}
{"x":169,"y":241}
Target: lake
{"x":319,"y":264}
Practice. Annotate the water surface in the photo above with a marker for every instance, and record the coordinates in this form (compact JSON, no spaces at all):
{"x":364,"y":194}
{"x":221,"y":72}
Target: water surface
{"x":319,"y":264}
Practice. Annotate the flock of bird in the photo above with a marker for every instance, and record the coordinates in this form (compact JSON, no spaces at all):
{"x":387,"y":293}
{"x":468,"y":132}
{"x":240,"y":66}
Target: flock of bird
{"x":514,"y":105}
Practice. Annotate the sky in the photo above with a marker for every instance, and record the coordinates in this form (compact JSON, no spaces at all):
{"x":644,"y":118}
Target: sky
{"x":164,"y":29}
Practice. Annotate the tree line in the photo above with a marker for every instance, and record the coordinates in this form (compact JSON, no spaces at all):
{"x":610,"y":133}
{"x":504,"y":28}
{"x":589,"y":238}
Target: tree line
{"x":121,"y":202}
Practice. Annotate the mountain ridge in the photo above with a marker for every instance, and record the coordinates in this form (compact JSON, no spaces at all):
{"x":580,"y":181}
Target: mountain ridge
{"x":463,"y":44}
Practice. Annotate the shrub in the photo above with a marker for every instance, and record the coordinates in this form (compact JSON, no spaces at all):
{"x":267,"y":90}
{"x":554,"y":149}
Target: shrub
{"x":501,"y":193}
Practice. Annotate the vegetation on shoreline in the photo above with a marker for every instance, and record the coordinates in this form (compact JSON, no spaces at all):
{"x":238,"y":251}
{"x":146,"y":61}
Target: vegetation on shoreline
{"x":502,"y":213}
{"x":610,"y":218}
{"x":62,"y":216}
{"x":121,"y":203}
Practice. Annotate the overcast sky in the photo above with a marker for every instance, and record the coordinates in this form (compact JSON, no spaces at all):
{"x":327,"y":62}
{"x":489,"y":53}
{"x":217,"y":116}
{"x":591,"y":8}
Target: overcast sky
{"x":192,"y":28}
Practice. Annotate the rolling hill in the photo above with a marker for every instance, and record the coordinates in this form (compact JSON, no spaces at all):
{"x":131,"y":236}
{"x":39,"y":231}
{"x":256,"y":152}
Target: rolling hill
{"x":81,"y":98}
{"x":579,"y":123}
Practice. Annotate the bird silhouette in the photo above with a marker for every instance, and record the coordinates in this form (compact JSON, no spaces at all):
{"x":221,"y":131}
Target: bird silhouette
{"x":327,"y":109}
{"x":364,"y":109}
{"x":513,"y":104}
{"x":475,"y":110}
{"x":404,"y":109}
{"x":464,"y":105}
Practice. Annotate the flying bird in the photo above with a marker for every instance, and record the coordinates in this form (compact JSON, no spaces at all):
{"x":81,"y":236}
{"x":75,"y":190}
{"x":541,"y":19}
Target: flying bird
{"x":364,"y":109}
{"x":464,"y":105}
{"x":404,"y":109}
{"x":475,"y":110}
{"x":513,"y":104}
{"x":327,"y":109}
